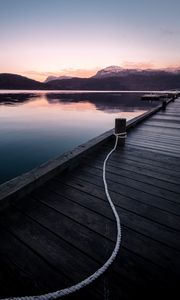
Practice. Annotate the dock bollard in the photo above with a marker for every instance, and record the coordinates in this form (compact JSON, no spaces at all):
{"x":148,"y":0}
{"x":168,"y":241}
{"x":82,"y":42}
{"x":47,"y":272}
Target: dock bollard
{"x":120,"y":129}
{"x":172,"y":97}
{"x":164,"y":105}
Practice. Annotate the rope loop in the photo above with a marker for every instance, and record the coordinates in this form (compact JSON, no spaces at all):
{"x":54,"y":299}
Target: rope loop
{"x":121,"y":135}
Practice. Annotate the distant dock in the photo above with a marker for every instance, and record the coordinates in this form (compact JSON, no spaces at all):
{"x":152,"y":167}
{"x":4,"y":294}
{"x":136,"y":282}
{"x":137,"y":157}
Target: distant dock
{"x":57,"y":228}
{"x":158,"y":96}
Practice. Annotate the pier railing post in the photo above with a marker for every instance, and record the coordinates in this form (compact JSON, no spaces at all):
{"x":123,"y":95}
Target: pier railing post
{"x":164,"y":105}
{"x":120,"y":129}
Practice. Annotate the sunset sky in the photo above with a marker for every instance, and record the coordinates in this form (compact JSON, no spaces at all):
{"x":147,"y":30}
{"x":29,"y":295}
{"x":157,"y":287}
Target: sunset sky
{"x":77,"y":37}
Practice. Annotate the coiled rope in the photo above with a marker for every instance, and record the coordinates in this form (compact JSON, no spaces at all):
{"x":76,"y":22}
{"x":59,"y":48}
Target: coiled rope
{"x":101,"y":270}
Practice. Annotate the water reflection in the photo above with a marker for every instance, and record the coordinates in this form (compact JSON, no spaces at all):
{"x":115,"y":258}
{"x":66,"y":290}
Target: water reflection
{"x":110,"y":102}
{"x":15,"y":99}
{"x":35,"y":127}
{"x":105,"y":102}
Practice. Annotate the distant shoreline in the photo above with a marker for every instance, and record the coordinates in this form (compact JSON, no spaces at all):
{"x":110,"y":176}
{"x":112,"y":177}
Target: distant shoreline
{"x":130,"y":83}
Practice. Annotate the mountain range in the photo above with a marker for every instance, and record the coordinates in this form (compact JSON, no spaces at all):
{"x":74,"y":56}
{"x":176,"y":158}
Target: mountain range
{"x":51,"y":78}
{"x":110,"y":78}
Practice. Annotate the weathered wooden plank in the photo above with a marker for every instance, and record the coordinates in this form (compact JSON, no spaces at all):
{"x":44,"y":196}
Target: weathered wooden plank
{"x":162,"y":136}
{"x":128,"y":193}
{"x":153,"y":159}
{"x":142,"y":133}
{"x":165,"y":141}
{"x":169,"y":148}
{"x":151,"y":143}
{"x":144,"y":226}
{"x":174,"y":126}
{"x":149,"y":153}
{"x":92,"y":204}
{"x":105,"y":245}
{"x":157,"y":129}
{"x":166,"y":118}
{"x":54,"y":250}
{"x":140,"y":160}
{"x":78,"y":235}
{"x":21,"y":276}
{"x":169,"y":114}
{"x":144,"y":209}
{"x":74,"y":232}
{"x":140,"y":186}
{"x":155,"y":151}
{"x":151,"y":181}
{"x":132,"y":240}
{"x":139,"y":168}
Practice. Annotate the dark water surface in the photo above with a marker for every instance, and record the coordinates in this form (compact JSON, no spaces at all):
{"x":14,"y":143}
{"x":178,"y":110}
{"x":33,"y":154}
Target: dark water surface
{"x":36,"y":126}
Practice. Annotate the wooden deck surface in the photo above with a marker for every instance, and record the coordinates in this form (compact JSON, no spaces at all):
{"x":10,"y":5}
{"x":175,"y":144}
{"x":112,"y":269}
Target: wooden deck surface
{"x":63,"y":231}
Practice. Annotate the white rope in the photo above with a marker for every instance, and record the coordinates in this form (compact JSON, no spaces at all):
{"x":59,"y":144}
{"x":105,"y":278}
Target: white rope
{"x":121,"y":135}
{"x":101,"y":270}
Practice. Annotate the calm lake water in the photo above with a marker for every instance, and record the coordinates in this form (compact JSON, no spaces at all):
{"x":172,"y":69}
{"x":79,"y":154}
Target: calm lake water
{"x":36,"y":126}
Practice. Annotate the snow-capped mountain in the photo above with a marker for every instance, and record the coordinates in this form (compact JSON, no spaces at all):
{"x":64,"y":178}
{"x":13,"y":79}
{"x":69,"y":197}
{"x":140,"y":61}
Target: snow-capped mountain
{"x":115,"y":71}
{"x":51,"y":78}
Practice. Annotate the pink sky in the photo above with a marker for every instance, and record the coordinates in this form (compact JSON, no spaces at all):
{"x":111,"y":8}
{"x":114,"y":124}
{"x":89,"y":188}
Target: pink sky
{"x":77,"y":38}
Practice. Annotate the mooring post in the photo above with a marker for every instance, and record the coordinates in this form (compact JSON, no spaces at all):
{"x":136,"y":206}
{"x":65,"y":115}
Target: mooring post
{"x":176,"y":95}
{"x":164,"y":105}
{"x":120,"y":130}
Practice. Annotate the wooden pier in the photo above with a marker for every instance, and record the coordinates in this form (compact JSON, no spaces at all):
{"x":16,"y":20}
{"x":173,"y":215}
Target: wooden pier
{"x":158,"y":96}
{"x":56,"y":227}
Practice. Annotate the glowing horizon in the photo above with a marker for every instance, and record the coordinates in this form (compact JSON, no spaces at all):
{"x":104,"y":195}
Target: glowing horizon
{"x":77,"y":38}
